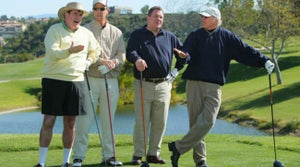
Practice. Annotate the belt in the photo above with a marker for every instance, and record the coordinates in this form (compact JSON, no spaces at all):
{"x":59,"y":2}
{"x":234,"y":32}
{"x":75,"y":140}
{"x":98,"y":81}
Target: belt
{"x":155,"y":80}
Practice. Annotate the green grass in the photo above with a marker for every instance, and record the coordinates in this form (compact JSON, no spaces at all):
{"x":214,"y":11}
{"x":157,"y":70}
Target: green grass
{"x":17,"y":71}
{"x":247,"y":92}
{"x":222,"y":150}
{"x":19,"y":93}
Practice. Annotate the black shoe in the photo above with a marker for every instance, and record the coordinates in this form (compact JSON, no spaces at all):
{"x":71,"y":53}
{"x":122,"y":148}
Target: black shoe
{"x":77,"y":163}
{"x":175,"y":154}
{"x":111,"y":162}
{"x":66,"y":165}
{"x":39,"y":165}
{"x":202,"y":164}
{"x":155,"y":160}
{"x":136,"y":160}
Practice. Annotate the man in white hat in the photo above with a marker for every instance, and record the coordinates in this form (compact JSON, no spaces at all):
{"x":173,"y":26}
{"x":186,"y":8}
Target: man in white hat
{"x":209,"y":50}
{"x":70,"y":49}
{"x":107,"y":68}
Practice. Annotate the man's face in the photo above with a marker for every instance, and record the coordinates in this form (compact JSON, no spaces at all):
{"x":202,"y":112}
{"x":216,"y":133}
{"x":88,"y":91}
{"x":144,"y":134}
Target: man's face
{"x":73,"y":19}
{"x":155,"y":20}
{"x":100,"y":11}
{"x":209,"y":23}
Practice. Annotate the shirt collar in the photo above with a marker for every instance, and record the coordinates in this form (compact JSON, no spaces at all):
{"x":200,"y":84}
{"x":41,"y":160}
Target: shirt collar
{"x":66,"y":27}
{"x":161,"y":31}
{"x":94,"y":22}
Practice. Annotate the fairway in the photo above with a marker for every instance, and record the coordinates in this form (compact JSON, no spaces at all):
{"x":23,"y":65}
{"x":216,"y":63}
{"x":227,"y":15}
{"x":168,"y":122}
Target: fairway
{"x":222,"y":150}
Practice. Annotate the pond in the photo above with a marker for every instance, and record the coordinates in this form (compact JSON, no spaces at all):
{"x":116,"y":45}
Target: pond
{"x":29,"y":122}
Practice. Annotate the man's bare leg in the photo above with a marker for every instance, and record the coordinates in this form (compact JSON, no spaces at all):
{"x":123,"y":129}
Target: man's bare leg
{"x":68,"y":136}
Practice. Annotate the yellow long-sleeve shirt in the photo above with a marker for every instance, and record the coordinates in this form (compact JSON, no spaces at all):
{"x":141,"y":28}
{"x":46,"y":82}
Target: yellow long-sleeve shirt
{"x":59,"y":63}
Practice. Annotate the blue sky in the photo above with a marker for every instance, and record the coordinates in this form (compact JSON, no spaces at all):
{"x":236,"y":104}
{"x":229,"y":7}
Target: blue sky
{"x":26,"y":8}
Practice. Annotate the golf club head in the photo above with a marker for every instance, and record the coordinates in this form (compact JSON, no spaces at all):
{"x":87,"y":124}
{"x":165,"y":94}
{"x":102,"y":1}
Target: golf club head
{"x":277,"y":164}
{"x":145,"y":164}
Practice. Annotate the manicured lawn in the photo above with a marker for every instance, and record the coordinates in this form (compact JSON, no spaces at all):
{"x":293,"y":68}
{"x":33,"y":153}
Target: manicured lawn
{"x":222,"y":150}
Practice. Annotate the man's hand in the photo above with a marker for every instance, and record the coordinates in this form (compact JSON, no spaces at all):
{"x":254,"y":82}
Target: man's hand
{"x":140,"y":65}
{"x":75,"y":49}
{"x":180,"y":53}
{"x":103,"y":69}
{"x":174,"y":73}
{"x":110,"y":64}
{"x":269,"y":66}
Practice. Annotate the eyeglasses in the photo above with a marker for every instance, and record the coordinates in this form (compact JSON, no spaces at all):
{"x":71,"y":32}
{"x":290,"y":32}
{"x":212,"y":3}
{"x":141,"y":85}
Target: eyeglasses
{"x":99,"y":9}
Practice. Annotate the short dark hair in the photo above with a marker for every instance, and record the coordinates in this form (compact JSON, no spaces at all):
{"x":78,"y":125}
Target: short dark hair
{"x":154,"y":8}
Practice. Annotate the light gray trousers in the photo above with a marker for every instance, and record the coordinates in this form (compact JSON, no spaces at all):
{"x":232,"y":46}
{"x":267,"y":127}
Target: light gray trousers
{"x":83,"y":123}
{"x":203,"y":103}
{"x":156,"y":107}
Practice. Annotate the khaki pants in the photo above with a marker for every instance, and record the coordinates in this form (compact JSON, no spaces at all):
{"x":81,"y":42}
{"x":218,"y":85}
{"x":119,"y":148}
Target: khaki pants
{"x":84,"y":122}
{"x":203,"y":103}
{"x":156,"y":107}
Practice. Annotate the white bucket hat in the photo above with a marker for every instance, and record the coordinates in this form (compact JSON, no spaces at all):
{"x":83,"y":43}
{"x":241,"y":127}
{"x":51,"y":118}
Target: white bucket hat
{"x":104,"y":2}
{"x":211,"y":11}
{"x":71,"y":6}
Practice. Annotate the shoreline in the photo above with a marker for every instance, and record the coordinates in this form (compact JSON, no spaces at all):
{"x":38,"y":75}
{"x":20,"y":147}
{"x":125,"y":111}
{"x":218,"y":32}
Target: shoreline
{"x":19,"y":109}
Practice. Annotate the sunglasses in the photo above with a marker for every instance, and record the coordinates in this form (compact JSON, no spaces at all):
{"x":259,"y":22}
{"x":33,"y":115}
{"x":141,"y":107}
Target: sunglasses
{"x":99,"y":9}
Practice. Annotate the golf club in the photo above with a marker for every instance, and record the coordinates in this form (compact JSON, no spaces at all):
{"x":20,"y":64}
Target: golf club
{"x":276,"y":163}
{"x":92,"y":103}
{"x":110,"y":117}
{"x":144,"y":164}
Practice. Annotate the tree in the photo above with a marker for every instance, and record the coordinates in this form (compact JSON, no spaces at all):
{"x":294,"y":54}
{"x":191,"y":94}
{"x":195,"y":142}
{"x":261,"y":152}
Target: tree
{"x":268,"y":24}
{"x":145,"y":9}
{"x":278,"y":22}
{"x":4,"y":17}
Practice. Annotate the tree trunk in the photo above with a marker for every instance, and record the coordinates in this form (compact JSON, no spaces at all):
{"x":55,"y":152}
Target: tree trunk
{"x":278,"y":72}
{"x":275,"y":61}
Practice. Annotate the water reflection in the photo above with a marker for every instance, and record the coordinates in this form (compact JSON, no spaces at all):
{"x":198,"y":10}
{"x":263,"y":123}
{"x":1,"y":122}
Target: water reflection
{"x":30,"y":122}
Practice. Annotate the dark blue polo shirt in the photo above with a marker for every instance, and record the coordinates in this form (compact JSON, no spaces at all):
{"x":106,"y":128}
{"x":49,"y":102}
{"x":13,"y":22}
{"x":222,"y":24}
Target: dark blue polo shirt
{"x":157,"y":51}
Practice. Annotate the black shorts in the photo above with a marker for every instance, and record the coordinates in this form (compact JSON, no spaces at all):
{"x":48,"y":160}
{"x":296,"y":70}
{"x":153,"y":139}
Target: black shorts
{"x":63,"y":97}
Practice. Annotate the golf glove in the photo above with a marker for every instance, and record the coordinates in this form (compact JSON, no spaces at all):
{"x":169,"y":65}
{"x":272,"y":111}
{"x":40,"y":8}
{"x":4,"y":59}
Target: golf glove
{"x":87,"y":64}
{"x":269,"y":66}
{"x":103,"y":69}
{"x":174,"y":73}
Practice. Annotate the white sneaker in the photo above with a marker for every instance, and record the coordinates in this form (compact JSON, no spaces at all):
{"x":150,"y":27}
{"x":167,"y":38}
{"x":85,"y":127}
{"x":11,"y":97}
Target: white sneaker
{"x":77,"y":163}
{"x":111,"y":162}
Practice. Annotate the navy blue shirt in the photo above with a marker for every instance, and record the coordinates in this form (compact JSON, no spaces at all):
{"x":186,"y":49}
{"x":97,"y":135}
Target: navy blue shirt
{"x":211,"y":53}
{"x":157,"y":51}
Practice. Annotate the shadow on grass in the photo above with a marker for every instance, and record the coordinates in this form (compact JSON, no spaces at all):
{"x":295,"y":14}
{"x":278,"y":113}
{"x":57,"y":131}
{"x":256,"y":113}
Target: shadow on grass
{"x":86,"y":165}
{"x":240,"y":72}
{"x":37,"y":92}
{"x":99,"y":165}
{"x":33,"y":91}
{"x":278,"y":96}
